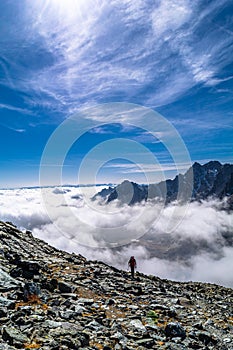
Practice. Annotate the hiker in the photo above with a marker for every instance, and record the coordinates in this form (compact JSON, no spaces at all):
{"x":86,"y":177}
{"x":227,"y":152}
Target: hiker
{"x":132,"y":264}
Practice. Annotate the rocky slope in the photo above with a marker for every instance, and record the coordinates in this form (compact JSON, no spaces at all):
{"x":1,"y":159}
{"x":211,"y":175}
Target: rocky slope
{"x":211,"y":179}
{"x":50,"y":299}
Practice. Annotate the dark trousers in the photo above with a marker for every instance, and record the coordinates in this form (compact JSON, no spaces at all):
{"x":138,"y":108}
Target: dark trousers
{"x":132,"y":271}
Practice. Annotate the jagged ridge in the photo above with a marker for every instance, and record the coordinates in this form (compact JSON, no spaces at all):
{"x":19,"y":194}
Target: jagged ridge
{"x":210,"y":179}
{"x":89,"y":305}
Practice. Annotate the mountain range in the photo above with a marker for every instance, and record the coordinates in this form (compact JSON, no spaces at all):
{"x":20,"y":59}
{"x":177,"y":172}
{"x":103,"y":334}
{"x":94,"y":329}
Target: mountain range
{"x":212,"y":179}
{"x":54,"y":300}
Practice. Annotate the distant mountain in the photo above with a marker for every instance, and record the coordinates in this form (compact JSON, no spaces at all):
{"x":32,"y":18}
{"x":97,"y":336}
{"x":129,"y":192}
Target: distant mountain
{"x":104,"y":193}
{"x":199,"y":182}
{"x":127,"y":192}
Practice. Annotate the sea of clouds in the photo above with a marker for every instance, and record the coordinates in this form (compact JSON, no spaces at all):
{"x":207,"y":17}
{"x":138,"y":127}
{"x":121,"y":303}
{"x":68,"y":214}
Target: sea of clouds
{"x":67,"y":219}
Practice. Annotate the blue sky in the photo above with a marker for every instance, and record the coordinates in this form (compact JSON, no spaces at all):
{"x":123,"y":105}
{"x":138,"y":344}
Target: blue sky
{"x":58,"y":58}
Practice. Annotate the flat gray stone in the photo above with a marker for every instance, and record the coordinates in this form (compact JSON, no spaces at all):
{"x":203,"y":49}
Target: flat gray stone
{"x":13,"y":336}
{"x":7,"y":282}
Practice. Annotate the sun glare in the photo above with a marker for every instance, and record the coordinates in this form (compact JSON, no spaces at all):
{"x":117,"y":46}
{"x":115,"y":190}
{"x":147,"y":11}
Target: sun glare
{"x":70,"y":9}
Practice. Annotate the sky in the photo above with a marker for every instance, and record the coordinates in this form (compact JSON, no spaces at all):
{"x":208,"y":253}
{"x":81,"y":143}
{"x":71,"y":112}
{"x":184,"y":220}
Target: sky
{"x":61,"y":59}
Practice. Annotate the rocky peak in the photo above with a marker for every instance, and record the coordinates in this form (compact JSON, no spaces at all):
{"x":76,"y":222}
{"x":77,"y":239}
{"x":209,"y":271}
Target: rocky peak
{"x":50,"y":299}
{"x":213,"y":164}
{"x":196,"y":165}
{"x":210,"y":179}
{"x":128,"y":193}
{"x":103,"y":193}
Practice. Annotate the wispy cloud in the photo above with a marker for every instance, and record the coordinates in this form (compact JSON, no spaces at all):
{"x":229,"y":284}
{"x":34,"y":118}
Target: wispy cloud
{"x":102,"y":130}
{"x":146,"y":137}
{"x":15,"y":108}
{"x":156,"y":59}
{"x":127,"y":168}
{"x":170,"y":16}
{"x":202,"y":124}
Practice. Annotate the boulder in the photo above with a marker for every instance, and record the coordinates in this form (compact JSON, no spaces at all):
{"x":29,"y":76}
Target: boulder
{"x":14,"y":337}
{"x":65,"y":287}
{"x":7,"y":283}
{"x":174,"y":330}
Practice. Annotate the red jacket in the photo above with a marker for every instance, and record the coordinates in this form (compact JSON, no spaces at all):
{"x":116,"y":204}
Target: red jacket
{"x":132,"y":262}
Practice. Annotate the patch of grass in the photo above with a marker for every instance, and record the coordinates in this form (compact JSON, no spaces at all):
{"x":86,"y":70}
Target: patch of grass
{"x":152,"y":316}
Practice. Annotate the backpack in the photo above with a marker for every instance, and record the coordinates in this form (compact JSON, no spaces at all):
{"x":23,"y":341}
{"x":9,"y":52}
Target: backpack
{"x":132,"y":262}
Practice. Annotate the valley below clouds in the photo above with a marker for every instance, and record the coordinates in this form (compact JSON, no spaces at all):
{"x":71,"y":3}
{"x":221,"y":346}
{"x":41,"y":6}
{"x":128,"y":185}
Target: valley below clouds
{"x":183,"y":242}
